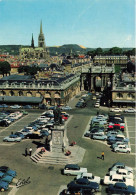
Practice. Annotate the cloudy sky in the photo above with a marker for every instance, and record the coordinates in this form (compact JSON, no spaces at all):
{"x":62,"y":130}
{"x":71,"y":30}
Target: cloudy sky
{"x":91,"y":23}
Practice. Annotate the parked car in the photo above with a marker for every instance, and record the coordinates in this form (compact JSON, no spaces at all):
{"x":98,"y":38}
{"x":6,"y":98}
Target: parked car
{"x":44,"y":132}
{"x":4,"y":105}
{"x":118,"y":143}
{"x":90,"y":177}
{"x":19,"y":134}
{"x":4,"y":123}
{"x":119,"y":165}
{"x":130,"y":110}
{"x":66,"y":108}
{"x":3,"y":186}
{"x":121,"y":188}
{"x":123,"y":172}
{"x":112,"y":133}
{"x":73,"y":169}
{"x":122,"y":148}
{"x":34,"y":136}
{"x":79,"y":104}
{"x":94,"y":98}
{"x":99,"y":136}
{"x":8,"y":171}
{"x":83,"y":183}
{"x":112,"y":179}
{"x":5,"y":177}
{"x":116,"y":110}
{"x":12,"y":138}
{"x":24,"y":112}
{"x":114,"y":139}
{"x":15,"y":106}
{"x":27,"y":107}
{"x":97,"y":105}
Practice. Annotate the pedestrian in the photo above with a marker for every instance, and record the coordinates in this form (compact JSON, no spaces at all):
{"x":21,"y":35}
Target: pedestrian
{"x":30,"y":151}
{"x":11,"y":132}
{"x":102,"y":156}
{"x":26,"y":153}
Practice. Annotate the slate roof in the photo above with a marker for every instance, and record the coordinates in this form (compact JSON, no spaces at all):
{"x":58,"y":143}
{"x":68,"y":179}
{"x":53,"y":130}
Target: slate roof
{"x":21,"y":99}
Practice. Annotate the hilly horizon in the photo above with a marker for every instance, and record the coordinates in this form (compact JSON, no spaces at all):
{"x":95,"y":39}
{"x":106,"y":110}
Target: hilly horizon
{"x":54,"y":50}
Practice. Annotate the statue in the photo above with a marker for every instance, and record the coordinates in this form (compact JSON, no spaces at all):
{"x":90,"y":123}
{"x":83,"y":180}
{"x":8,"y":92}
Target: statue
{"x":57,"y":116}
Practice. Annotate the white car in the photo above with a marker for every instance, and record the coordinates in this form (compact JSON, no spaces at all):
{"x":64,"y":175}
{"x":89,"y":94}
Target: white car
{"x":90,"y":177}
{"x":122,"y":148}
{"x":130,"y":110}
{"x":66,"y":108}
{"x":125,"y":173}
{"x":15,"y":106}
{"x":112,"y":179}
{"x":94,"y":98}
{"x":116,"y":110}
{"x":85,"y":95}
{"x":120,"y":165}
{"x":73,"y":169}
{"x":97,"y":105}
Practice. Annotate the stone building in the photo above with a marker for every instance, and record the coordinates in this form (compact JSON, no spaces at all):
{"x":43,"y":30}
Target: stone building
{"x":124,"y":91}
{"x":113,"y":59}
{"x":53,"y":90}
{"x":32,"y":52}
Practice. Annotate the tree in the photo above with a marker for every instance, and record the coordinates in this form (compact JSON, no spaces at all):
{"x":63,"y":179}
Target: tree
{"x":115,"y":51}
{"x":5,"y":68}
{"x":98,"y":51}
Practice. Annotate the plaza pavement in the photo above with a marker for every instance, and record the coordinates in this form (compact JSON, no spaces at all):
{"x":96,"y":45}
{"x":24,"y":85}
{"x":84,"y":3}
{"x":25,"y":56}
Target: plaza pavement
{"x":47,"y":179}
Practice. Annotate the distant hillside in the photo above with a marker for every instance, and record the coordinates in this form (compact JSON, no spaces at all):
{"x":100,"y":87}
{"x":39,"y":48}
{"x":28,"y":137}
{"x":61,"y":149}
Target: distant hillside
{"x":54,"y":50}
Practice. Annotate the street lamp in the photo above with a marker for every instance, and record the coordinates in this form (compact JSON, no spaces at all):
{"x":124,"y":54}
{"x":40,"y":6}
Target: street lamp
{"x":3,"y":102}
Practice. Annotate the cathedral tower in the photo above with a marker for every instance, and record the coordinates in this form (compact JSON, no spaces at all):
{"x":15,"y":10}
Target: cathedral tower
{"x":41,"y":39}
{"x":32,"y":42}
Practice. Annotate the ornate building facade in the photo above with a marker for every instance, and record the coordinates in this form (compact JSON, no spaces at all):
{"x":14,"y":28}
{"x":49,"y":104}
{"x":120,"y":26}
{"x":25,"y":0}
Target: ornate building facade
{"x":32,"y":52}
{"x":53,"y":91}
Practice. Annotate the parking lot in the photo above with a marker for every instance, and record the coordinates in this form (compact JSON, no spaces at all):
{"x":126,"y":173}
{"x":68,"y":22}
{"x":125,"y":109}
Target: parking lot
{"x":47,"y":179}
{"x":17,"y":126}
{"x":130,"y":132}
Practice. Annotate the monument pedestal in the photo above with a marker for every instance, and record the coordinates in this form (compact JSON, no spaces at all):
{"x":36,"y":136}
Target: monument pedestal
{"x":59,"y":139}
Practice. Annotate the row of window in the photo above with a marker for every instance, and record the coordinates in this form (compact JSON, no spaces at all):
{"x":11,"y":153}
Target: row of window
{"x":29,"y":94}
{"x":129,"y":96}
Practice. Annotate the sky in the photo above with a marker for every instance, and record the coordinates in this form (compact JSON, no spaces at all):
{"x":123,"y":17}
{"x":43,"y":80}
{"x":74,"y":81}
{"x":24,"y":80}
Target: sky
{"x":91,"y":23}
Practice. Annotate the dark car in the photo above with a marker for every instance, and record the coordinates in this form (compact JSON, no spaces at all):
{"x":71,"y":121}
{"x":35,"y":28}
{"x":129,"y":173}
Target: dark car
{"x":4,"y":123}
{"x":44,"y":132}
{"x":19,"y":134}
{"x":34,"y":136}
{"x":120,"y":188}
{"x":83,"y":183}
{"x":8,"y":171}
{"x":3,"y":186}
{"x":79,"y":104}
{"x":114,"y":139}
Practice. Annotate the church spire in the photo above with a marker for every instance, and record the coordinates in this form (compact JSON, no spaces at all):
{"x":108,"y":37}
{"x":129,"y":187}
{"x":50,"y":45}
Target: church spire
{"x":41,"y":28}
{"x":41,"y":39}
{"x":32,"y":42}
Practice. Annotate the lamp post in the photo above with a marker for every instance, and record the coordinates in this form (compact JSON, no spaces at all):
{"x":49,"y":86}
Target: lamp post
{"x":3,"y":102}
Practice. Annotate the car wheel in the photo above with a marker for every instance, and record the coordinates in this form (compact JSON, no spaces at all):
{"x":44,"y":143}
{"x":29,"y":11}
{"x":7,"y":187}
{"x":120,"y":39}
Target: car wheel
{"x":2,"y":190}
{"x":68,"y":174}
{"x":128,"y":151}
{"x":116,"y":151}
{"x":93,"y":190}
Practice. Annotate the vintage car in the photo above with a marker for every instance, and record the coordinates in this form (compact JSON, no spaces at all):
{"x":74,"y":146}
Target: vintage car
{"x":73,"y":169}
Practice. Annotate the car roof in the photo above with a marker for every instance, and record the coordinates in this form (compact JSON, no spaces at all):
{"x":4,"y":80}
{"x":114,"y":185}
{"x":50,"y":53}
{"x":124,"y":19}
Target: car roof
{"x":118,"y":163}
{"x":117,"y":176}
{"x":71,"y":166}
{"x":120,"y":185}
{"x":87,"y":174}
{"x":122,"y":170}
